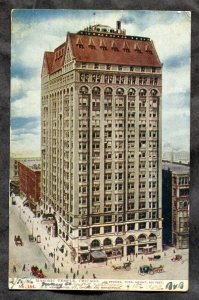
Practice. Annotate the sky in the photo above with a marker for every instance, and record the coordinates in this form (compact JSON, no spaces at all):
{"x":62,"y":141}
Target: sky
{"x":37,"y":31}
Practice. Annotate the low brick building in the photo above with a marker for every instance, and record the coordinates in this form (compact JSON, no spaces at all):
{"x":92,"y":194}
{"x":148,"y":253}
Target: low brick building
{"x":29,"y":182}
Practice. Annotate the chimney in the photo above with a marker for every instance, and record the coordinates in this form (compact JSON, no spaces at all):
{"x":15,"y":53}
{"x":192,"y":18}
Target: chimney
{"x":118,"y":25}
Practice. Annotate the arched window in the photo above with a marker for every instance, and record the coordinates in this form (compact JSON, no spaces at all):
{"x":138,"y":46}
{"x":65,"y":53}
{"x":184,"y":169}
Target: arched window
{"x":153,"y":92}
{"x":118,"y":241}
{"x":108,"y":91}
{"x":130,"y":239}
{"x":107,"y":242}
{"x":120,"y":91}
{"x":95,"y":244}
{"x":141,"y":238}
{"x":83,"y":90}
{"x":96,"y":91}
{"x":131,"y":92}
{"x":142,"y":92}
{"x":152,"y":237}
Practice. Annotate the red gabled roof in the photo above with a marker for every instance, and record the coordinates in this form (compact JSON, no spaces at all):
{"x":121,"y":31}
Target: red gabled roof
{"x":105,"y":50}
{"x":140,"y":53}
{"x":49,"y":56}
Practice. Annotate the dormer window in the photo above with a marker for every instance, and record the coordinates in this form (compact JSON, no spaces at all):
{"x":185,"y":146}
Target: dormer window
{"x":119,"y":68}
{"x":147,"y":48}
{"x":114,"y":46}
{"x":79,"y":43}
{"x":96,"y":66}
{"x":103,"y":45}
{"x":137,"y":48}
{"x":108,"y":67}
{"x":91,"y":44}
{"x":126,"y":47}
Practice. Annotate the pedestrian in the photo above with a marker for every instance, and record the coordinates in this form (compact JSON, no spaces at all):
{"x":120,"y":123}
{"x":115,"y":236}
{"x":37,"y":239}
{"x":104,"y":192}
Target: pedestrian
{"x":77,"y":272}
{"x":66,"y":276}
{"x":14,"y":269}
{"x":71,"y":270}
{"x":126,"y":258}
{"x":174,"y":251}
{"x":24,"y":267}
{"x":94,"y":276}
{"x":136,"y":255}
{"x":58,"y":270}
{"x":55,"y":270}
{"x":74,"y":276}
{"x":82,"y":276}
{"x":62,"y":265}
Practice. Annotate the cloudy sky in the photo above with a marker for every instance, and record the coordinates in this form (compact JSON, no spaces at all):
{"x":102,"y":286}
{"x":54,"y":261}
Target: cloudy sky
{"x":36,"y":31}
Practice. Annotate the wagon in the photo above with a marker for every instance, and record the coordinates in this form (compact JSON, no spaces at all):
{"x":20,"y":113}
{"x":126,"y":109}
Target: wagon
{"x":126,"y":266}
{"x":177,"y":257}
{"x":145,"y":269}
{"x":18,"y":241}
{"x":31,"y":238}
{"x":155,"y":257}
{"x":37,"y":272}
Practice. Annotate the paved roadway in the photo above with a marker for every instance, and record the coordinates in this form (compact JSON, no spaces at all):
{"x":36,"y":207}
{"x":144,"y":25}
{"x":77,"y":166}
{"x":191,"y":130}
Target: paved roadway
{"x":37,"y":254}
{"x":28,"y":254}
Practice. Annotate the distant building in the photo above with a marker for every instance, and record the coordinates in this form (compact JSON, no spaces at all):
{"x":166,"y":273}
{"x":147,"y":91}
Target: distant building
{"x":176,"y":156}
{"x":175,"y":204}
{"x":29,"y":182}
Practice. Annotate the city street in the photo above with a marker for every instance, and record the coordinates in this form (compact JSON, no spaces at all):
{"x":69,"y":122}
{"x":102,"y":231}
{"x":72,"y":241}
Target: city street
{"x":48,"y":252}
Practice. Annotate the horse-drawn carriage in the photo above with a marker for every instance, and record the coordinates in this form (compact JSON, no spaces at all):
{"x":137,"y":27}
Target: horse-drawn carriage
{"x":18,"y":241}
{"x":155,"y":257}
{"x":126,"y":266}
{"x":143,"y":270}
{"x":37,"y":272}
{"x":177,"y":257}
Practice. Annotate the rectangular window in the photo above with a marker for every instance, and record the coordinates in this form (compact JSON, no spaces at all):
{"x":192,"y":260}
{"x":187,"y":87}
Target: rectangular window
{"x":107,"y":219}
{"x":142,"y":225}
{"x":95,"y":230}
{"x":131,"y":226}
{"x":107,"y":229}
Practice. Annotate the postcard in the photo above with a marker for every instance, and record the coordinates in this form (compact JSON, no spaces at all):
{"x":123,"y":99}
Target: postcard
{"x":99,"y":159}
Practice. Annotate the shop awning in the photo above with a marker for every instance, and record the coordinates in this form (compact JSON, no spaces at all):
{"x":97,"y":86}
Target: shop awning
{"x":98,"y":254}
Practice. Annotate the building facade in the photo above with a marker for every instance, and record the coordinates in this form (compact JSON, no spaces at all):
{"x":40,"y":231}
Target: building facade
{"x":101,"y":142}
{"x":176,"y":178}
{"x":30,"y":182}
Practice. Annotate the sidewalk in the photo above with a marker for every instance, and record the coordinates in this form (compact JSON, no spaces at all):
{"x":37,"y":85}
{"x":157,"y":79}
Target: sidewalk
{"x":65,"y":268}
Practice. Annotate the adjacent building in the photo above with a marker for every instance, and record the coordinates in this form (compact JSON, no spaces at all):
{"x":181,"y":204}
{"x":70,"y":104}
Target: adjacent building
{"x":101,"y":142}
{"x":29,"y":183}
{"x":175,"y":200}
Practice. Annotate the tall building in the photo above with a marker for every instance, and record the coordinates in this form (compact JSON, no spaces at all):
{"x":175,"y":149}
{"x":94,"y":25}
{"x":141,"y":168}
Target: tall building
{"x":101,"y":142}
{"x":175,"y":204}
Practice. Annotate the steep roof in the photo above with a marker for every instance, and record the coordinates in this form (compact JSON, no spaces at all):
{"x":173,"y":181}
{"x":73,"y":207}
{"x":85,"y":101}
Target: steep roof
{"x":105,"y":50}
{"x":115,"y":51}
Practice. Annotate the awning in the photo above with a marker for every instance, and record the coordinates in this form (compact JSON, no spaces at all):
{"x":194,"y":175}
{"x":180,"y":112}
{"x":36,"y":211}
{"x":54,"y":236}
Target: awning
{"x":98,"y":254}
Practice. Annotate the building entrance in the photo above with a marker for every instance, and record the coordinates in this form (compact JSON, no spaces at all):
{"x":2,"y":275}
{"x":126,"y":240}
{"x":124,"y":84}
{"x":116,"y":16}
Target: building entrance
{"x":130,"y":250}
